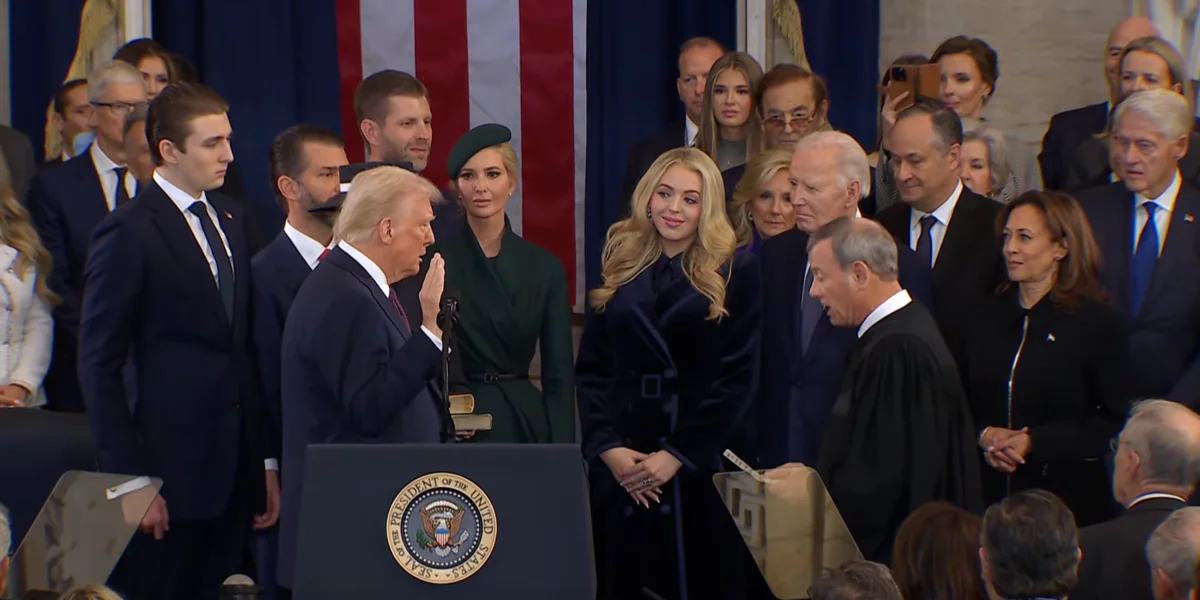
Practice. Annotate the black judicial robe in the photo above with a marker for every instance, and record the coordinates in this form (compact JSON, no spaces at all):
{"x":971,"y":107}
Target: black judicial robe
{"x":508,"y":304}
{"x":900,"y":433}
{"x":654,"y":374}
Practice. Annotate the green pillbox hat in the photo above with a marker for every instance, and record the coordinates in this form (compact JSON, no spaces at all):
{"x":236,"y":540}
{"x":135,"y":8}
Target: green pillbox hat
{"x":484,"y":136}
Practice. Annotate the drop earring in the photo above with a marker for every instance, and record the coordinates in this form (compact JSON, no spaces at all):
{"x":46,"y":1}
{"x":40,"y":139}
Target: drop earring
{"x":750,"y":216}
{"x":649,"y":215}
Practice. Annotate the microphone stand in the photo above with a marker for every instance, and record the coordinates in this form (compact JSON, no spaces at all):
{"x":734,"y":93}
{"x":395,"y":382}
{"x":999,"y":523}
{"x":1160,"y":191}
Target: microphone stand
{"x":447,"y":319}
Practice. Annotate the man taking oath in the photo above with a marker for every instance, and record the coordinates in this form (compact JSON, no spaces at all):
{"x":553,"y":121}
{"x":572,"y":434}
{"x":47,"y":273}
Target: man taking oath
{"x":900,"y":432}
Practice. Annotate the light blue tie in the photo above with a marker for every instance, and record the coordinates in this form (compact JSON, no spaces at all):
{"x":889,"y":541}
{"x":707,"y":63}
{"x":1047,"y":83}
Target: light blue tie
{"x":1144,"y":257}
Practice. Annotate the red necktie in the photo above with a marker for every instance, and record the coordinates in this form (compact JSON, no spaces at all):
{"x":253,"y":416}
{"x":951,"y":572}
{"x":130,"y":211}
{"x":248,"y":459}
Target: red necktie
{"x":324,"y":253}
{"x":403,"y":316}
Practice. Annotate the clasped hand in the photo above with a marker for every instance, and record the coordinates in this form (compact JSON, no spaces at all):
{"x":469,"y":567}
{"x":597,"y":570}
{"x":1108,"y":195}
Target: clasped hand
{"x":641,"y":475}
{"x":1006,"y":449}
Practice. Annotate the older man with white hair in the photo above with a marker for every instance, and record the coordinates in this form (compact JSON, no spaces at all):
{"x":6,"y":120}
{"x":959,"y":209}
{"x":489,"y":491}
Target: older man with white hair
{"x":1157,"y":465}
{"x":1173,"y":552}
{"x":353,"y":370}
{"x":900,"y":432}
{"x":804,"y":356}
{"x":1147,"y":230}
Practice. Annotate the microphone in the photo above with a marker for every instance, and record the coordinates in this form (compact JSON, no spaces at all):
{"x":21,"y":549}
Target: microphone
{"x":447,"y":319}
{"x":239,"y":587}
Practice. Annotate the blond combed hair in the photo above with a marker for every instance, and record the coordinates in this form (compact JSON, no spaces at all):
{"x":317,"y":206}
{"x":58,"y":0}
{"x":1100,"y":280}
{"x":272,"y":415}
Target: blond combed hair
{"x":17,"y":231}
{"x":759,"y":170}
{"x":633,"y":243}
{"x":374,"y":195}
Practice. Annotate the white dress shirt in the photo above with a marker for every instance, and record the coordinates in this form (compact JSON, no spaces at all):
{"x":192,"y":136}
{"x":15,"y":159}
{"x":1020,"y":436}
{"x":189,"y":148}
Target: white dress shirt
{"x":182,"y":201}
{"x":896,"y":302}
{"x":690,"y":131}
{"x":108,"y":177}
{"x":310,"y":250}
{"x":378,"y":277}
{"x":937,"y":233}
{"x":1162,"y":216}
{"x":1152,"y":495}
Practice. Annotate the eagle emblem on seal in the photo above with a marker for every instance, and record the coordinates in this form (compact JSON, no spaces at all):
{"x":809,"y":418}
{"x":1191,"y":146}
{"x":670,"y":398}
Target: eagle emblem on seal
{"x":443,"y":524}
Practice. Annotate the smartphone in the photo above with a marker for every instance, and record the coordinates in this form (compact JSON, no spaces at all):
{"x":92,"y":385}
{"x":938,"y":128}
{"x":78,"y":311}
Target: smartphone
{"x":919,"y":81}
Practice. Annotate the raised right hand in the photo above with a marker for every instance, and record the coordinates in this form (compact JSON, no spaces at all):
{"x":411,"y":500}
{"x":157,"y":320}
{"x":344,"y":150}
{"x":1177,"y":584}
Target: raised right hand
{"x":431,"y":293}
{"x":156,"y":520}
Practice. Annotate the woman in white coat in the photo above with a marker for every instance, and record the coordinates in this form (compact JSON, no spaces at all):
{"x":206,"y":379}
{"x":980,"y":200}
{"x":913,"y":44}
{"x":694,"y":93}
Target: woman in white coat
{"x":26,"y":327}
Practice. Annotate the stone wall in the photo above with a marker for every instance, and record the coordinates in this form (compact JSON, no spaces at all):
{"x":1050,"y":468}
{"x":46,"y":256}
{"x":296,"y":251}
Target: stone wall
{"x":1051,"y":51}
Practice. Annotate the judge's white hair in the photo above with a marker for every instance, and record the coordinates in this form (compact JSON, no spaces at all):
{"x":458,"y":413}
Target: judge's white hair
{"x":860,"y":240}
{"x":113,"y":71}
{"x":1165,"y":108}
{"x":851,"y":159}
{"x":1174,"y":547}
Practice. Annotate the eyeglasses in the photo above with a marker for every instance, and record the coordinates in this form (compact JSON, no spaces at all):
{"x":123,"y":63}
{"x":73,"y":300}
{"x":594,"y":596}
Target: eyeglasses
{"x":1114,"y":444}
{"x":121,"y":108}
{"x":798,"y":121}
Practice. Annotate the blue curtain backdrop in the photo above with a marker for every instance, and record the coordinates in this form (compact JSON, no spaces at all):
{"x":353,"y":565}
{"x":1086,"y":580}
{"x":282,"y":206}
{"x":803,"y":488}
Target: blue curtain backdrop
{"x":42,"y":38}
{"x":841,"y":38}
{"x":632,"y":64}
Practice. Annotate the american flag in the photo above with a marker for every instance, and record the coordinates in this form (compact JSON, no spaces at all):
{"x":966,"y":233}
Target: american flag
{"x":520,"y":63}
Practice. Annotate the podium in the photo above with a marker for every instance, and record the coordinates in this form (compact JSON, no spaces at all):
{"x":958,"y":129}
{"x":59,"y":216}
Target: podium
{"x":78,"y":536}
{"x":444,"y":521}
{"x":790,"y":524}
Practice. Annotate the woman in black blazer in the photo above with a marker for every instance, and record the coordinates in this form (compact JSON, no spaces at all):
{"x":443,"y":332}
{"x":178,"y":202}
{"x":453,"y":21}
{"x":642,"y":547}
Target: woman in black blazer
{"x":1043,"y":361}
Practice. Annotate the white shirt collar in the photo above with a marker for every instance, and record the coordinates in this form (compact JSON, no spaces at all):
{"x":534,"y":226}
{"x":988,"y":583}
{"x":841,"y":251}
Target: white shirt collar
{"x":310,"y":250}
{"x":945,"y":211}
{"x":181,"y":198}
{"x":1166,"y":200}
{"x":368,"y":265}
{"x":898,"y":301}
{"x":103,"y":163}
{"x":690,"y":130}
{"x":1153,"y":495}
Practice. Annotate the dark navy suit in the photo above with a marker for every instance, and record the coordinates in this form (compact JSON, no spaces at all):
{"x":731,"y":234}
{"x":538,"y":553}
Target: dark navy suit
{"x":1165,"y":333}
{"x":798,"y":391}
{"x":66,"y":204}
{"x":153,"y":304}
{"x":351,"y":374}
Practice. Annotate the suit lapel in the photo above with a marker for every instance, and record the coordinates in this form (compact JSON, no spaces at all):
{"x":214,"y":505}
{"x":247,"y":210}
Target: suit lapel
{"x":640,"y":296}
{"x":339,"y":257}
{"x":92,"y":202}
{"x":1181,"y":235}
{"x":291,"y":266}
{"x":179,"y":239}
{"x":1113,"y":223}
{"x":229,"y":221}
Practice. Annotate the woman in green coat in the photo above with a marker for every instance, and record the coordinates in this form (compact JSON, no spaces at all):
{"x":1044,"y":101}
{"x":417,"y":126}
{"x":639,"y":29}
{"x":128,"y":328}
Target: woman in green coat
{"x":512,"y":295}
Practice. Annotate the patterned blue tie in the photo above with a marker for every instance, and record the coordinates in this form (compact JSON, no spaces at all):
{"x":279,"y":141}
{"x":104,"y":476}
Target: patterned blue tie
{"x":1144,"y":257}
{"x":810,"y":312}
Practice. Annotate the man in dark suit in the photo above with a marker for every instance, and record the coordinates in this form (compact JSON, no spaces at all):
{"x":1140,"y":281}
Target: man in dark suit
{"x":696,"y":58}
{"x":305,"y":162}
{"x":1024,"y":525}
{"x":949,"y":227}
{"x":72,"y":116}
{"x":1070,"y":128}
{"x":67,"y":203}
{"x":17,"y":152}
{"x":354,"y":370}
{"x":899,"y":433}
{"x":804,"y":355}
{"x":1156,"y":469}
{"x":1146,"y":226}
{"x":165,"y":359}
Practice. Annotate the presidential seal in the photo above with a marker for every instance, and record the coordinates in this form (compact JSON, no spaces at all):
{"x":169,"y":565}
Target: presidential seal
{"x":441,"y":528}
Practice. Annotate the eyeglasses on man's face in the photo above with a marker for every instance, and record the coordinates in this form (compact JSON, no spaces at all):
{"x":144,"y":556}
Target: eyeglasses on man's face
{"x":120,"y":108}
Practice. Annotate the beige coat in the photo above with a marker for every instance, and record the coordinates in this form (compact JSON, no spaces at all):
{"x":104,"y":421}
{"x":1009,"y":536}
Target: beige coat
{"x":26,"y":329}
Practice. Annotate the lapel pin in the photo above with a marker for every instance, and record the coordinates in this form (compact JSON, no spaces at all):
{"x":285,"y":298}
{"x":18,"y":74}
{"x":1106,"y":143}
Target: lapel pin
{"x":1188,"y":218}
{"x":1050,"y":337}
{"x":228,"y":216}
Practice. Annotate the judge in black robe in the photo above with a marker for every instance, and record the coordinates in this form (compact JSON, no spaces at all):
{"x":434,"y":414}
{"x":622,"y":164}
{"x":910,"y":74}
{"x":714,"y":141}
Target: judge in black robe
{"x":900,"y":432}
{"x":656,"y":375}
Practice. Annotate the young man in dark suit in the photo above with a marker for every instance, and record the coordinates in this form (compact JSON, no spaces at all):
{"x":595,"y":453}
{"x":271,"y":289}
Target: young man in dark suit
{"x":354,"y":369}
{"x":948,"y":226}
{"x":696,"y":58}
{"x":804,"y":355}
{"x":72,"y":116}
{"x":67,"y":203}
{"x":1147,"y":229}
{"x":1070,"y":128}
{"x":167,"y":311}
{"x":1157,"y":456}
{"x":305,"y":162}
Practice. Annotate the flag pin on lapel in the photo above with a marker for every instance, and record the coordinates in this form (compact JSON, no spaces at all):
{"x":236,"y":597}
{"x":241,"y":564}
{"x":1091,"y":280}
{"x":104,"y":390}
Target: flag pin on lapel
{"x":1050,"y":337}
{"x":1188,"y":218}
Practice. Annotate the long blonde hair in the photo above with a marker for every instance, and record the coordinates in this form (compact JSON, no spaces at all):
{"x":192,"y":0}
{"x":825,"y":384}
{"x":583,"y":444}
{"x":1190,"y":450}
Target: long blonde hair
{"x":759,"y":170}
{"x":91,"y":591}
{"x":16,"y":230}
{"x":709,"y":135}
{"x":633,"y":243}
